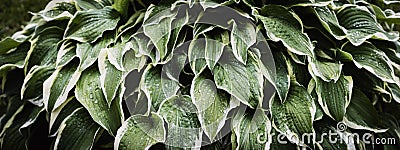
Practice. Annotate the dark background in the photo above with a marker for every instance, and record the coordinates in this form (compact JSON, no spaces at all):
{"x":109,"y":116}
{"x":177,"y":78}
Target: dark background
{"x":14,"y":14}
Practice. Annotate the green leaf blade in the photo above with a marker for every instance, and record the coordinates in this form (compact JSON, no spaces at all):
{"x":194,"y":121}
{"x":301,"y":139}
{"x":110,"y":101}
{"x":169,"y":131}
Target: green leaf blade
{"x":88,"y":26}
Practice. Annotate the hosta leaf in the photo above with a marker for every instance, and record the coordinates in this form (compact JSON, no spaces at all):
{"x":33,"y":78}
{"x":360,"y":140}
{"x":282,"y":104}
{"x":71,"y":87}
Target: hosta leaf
{"x":8,"y":44}
{"x":77,"y":131}
{"x":140,"y":132}
{"x":329,"y":20}
{"x":392,"y":124}
{"x":367,"y":56}
{"x":88,"y":53}
{"x":44,"y":47}
{"x":14,"y":104}
{"x":14,"y":134}
{"x":395,"y":90}
{"x":58,"y":10}
{"x":88,"y":26}
{"x":283,"y":72}
{"x":15,"y":58}
{"x":61,"y":113}
{"x":126,"y":31}
{"x":295,"y":116}
{"x":319,"y":113}
{"x":143,"y":45}
{"x":252,"y":131}
{"x":283,"y":25}
{"x":89,"y":4}
{"x":388,"y":16}
{"x":56,"y":88}
{"x":318,"y":3}
{"x":157,"y":86}
{"x":116,"y":54}
{"x":159,"y":19}
{"x":213,"y":52}
{"x":361,"y":114}
{"x":34,"y":82}
{"x":137,"y":103}
{"x":204,"y":52}
{"x":362,"y":25}
{"x":243,"y":36}
{"x":66,"y":53}
{"x":131,"y":62}
{"x":327,"y":71}
{"x":374,"y":84}
{"x":88,"y":92}
{"x":324,"y":127}
{"x":174,"y":67}
{"x":196,"y":55}
{"x":334,"y":96}
{"x":213,"y":105}
{"x":122,"y":7}
{"x":110,"y":77}
{"x":201,"y":28}
{"x":184,"y":129}
{"x":245,"y":82}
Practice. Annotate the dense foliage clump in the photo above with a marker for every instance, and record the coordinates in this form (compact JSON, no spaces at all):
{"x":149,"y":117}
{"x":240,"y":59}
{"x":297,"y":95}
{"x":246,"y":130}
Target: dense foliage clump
{"x":209,"y":74}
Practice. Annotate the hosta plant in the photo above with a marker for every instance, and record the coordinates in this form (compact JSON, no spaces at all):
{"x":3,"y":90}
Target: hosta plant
{"x":203,"y":74}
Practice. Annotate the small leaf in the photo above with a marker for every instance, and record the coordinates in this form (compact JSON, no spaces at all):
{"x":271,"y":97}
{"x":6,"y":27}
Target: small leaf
{"x":58,"y":10}
{"x":88,"y":92}
{"x":88,"y":53}
{"x":15,"y":58}
{"x":77,"y":131}
{"x":57,"y":87}
{"x":34,"y":81}
{"x":327,"y":71}
{"x":8,"y":44}
{"x":66,"y":53}
{"x":252,"y":131}
{"x":204,"y":52}
{"x":157,"y":86}
{"x":14,"y":134}
{"x":213,"y":105}
{"x":196,"y":55}
{"x":122,"y":7}
{"x":159,"y":19}
{"x":282,"y":75}
{"x":243,"y":35}
{"x":88,"y":26}
{"x":61,"y":113}
{"x":131,"y":62}
{"x":45,"y":47}
{"x":89,"y":4}
{"x":329,"y":20}
{"x":116,"y":54}
{"x":361,"y":114}
{"x":243,"y":82}
{"x":334,"y":96}
{"x":362,"y":25}
{"x":184,"y":129}
{"x":140,"y":132}
{"x":367,"y":56}
{"x":295,"y":116}
{"x":110,"y":77}
{"x":283,"y":25}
